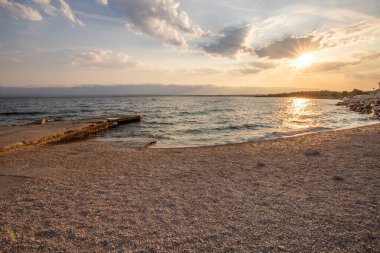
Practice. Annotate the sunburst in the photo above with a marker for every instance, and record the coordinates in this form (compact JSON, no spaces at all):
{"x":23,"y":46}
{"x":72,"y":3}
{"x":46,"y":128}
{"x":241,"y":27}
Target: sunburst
{"x":303,"y":61}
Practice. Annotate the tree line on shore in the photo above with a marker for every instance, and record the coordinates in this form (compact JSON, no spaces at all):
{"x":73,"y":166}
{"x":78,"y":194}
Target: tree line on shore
{"x":319,"y":94}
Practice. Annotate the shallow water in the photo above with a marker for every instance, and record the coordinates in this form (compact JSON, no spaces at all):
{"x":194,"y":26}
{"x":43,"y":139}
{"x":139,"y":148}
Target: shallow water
{"x":183,"y":121}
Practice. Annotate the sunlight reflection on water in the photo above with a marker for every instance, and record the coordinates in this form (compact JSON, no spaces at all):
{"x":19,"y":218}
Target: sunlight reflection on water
{"x":298,"y":114}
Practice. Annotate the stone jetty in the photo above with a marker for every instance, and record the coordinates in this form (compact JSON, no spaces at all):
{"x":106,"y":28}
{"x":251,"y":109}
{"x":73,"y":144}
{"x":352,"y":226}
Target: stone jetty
{"x":369,"y":104}
{"x":44,"y":132}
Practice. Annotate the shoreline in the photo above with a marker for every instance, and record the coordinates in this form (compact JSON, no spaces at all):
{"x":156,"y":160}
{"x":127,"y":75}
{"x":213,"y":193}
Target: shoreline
{"x":308,"y":193}
{"x":375,"y":122}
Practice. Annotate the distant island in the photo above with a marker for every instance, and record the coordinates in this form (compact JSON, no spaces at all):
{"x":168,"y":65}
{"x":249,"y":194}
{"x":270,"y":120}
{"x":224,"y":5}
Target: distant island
{"x":323,"y":94}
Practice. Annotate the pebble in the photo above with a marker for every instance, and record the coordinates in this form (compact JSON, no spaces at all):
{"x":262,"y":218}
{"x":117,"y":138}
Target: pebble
{"x":311,"y":152}
{"x":260,"y":164}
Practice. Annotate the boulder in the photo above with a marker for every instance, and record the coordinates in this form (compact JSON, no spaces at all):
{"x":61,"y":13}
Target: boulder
{"x":364,"y":104}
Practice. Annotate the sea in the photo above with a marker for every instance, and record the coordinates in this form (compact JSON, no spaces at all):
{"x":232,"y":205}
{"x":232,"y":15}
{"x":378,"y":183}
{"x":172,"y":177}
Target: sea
{"x":188,"y":121}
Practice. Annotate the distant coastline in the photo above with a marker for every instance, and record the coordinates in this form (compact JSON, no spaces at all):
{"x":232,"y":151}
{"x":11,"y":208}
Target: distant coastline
{"x":324,"y":94}
{"x":137,"y":90}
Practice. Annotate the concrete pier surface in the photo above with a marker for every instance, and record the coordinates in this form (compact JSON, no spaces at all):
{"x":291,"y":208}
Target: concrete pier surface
{"x":42,"y":132}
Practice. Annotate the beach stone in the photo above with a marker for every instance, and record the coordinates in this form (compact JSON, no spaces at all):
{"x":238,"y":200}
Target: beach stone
{"x":338,"y":178}
{"x":260,"y":165}
{"x":311,"y":152}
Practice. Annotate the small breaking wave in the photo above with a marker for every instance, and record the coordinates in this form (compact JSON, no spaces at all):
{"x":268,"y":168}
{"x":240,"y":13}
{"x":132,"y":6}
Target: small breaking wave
{"x":246,"y":126}
{"x":225,"y":128}
{"x":276,"y":134}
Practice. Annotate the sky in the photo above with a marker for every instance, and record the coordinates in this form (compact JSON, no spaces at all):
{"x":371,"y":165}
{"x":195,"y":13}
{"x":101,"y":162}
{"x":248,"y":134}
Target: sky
{"x":321,"y":44}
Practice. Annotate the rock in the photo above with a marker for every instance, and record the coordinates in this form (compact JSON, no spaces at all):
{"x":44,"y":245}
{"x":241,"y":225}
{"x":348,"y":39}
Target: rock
{"x":260,"y":165}
{"x":338,"y":178}
{"x":364,"y":104}
{"x":311,"y":152}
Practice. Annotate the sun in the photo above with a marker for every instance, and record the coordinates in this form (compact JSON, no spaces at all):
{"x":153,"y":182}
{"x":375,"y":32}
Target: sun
{"x":303,"y":61}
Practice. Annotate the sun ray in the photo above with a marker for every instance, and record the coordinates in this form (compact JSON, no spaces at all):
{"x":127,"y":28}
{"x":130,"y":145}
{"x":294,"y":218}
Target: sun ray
{"x":303,"y":61}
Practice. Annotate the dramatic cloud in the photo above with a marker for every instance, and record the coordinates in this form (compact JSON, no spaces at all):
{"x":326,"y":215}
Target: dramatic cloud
{"x":68,"y":13}
{"x":99,"y":58}
{"x":46,"y":6}
{"x":159,"y":19}
{"x":289,"y":47}
{"x":230,"y":41}
{"x":102,"y":2}
{"x":234,"y":40}
{"x":20,"y":10}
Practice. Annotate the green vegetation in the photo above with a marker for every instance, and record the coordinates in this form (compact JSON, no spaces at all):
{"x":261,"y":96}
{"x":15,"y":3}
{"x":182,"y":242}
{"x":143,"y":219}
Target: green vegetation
{"x":319,"y":94}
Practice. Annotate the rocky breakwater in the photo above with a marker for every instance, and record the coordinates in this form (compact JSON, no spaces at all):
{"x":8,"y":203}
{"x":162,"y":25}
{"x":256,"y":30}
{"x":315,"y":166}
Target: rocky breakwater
{"x":369,"y":104}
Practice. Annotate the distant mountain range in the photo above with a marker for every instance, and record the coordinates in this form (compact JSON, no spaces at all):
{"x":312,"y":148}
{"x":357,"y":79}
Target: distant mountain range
{"x":142,"y":89}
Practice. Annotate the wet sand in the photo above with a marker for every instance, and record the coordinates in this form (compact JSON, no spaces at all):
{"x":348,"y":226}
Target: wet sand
{"x":255,"y":197}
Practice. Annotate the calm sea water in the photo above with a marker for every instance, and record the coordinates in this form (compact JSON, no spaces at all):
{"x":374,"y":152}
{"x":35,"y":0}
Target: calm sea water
{"x":179,"y":121}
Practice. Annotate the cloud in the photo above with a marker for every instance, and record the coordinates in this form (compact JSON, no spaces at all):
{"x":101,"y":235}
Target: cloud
{"x":29,"y":13}
{"x":329,"y":66}
{"x":202,"y":71}
{"x":350,"y":34}
{"x":8,"y":60}
{"x":159,"y":19}
{"x":47,"y":6}
{"x":288,"y":47}
{"x":341,"y":65}
{"x":101,"y":17}
{"x":368,"y":56}
{"x":291,"y":46}
{"x":249,"y":71}
{"x":101,"y":58}
{"x":102,"y":2}
{"x":370,"y":75}
{"x":21,"y":11}
{"x":256,"y":67}
{"x":230,"y":41}
{"x":68,"y":13}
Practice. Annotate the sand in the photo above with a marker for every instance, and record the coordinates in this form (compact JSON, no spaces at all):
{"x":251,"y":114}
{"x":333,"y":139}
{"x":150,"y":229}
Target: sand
{"x":266,"y":196}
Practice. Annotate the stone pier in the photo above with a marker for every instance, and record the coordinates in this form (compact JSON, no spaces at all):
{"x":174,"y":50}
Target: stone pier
{"x":43,"y":132}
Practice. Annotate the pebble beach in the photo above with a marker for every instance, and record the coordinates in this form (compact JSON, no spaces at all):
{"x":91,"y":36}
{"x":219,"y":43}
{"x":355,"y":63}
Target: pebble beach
{"x":310,"y":193}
